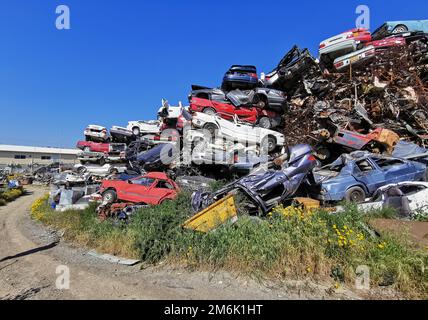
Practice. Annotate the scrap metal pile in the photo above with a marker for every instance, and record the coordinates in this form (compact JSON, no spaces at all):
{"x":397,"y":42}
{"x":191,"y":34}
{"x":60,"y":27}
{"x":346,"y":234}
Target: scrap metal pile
{"x":347,"y":126}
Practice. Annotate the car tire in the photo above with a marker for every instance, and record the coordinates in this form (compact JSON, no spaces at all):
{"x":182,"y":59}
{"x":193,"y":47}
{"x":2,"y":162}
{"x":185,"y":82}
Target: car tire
{"x":211,"y":128}
{"x":102,"y":161}
{"x":209,"y":111}
{"x":136,"y":131}
{"x":269,"y":142}
{"x":109,"y":196}
{"x":355,"y":194}
{"x":264,"y":122}
{"x":400,"y":29}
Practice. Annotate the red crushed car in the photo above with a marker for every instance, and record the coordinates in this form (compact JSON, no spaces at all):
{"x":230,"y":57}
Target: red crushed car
{"x":388,"y":43}
{"x":262,"y":117}
{"x":89,"y":146}
{"x":152,"y":188}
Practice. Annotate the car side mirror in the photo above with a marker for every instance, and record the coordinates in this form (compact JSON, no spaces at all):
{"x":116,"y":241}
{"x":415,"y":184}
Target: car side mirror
{"x":129,"y":181}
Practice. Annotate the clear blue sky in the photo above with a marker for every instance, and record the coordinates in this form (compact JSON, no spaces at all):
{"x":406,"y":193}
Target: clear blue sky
{"x":121,"y":57}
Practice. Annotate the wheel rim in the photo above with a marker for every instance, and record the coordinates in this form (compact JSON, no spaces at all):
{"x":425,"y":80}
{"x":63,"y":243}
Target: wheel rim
{"x":108,"y":197}
{"x":356,"y":196}
{"x":211,"y":129}
{"x":136,"y":131}
{"x":271,"y":144}
{"x":264,"y":123}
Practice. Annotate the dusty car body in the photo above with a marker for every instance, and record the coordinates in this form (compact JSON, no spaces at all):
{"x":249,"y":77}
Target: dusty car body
{"x":262,"y":117}
{"x":355,"y":59}
{"x":397,"y":27}
{"x":290,"y":70}
{"x":239,"y":132}
{"x":142,"y":127}
{"x":353,"y":177}
{"x":409,"y":198}
{"x":157,"y":158}
{"x":269,"y":188}
{"x":97,"y":153}
{"x":121,"y":135}
{"x":152,"y":188}
{"x":378,"y":141}
{"x":239,"y":76}
{"x":96,"y":133}
{"x":100,"y":157}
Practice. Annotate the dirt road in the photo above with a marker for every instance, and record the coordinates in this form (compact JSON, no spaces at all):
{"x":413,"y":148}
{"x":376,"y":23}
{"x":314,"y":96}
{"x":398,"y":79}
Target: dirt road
{"x":30,"y":256}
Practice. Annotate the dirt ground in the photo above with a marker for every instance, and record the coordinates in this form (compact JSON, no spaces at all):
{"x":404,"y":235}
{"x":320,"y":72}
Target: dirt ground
{"x":30,"y":254}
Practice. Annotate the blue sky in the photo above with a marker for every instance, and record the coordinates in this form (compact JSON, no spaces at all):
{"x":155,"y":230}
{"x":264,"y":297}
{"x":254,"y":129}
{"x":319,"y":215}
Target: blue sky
{"x":121,"y":57}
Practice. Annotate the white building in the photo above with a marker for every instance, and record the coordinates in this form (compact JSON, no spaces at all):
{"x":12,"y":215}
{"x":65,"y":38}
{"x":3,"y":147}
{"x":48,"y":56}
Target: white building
{"x":22,"y":155}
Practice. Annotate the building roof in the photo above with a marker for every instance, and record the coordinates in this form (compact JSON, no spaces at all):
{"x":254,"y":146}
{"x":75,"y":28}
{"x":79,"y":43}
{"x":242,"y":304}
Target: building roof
{"x":10,"y":148}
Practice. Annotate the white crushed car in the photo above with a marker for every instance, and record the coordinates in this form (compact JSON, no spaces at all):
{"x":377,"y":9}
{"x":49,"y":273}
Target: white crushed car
{"x":96,"y":133}
{"x":355,"y":58}
{"x":238,"y":131}
{"x":142,"y":127}
{"x":408,"y":198}
{"x":104,"y":170}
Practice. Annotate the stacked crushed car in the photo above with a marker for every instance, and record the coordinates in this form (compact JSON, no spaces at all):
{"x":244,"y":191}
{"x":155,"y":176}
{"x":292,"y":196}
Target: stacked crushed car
{"x":351,"y":125}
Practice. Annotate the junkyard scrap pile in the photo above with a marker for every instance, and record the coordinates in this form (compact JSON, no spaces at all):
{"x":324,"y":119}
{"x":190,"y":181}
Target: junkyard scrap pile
{"x":346,"y":126}
{"x":389,"y":91}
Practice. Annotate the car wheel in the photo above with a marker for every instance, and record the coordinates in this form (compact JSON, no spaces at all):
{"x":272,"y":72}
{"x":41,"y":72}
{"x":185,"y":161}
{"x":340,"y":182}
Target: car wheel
{"x":400,"y":29}
{"x":209,"y":111}
{"x":136,"y":131}
{"x":110,"y":196}
{"x":102,"y":161}
{"x":265,"y":123}
{"x":355,"y":194}
{"x":269,"y":143}
{"x":81,"y":170}
{"x":211,"y":128}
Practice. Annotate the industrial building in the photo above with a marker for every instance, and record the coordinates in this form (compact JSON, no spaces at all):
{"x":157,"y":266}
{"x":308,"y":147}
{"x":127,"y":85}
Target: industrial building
{"x":29,"y":156}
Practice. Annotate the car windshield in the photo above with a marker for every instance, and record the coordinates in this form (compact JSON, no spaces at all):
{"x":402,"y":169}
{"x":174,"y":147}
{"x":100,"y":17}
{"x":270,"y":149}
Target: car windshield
{"x":147,"y":182}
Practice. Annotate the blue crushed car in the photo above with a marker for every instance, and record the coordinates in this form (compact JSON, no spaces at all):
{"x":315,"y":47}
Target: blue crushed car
{"x":356,"y":176}
{"x":240,"y":77}
{"x":396,"y":27}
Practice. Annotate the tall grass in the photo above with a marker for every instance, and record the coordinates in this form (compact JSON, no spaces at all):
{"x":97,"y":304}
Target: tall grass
{"x":289,"y":243}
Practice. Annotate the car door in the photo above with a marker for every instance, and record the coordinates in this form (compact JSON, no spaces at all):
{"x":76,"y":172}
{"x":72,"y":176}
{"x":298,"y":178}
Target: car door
{"x":159,"y":191}
{"x":366,"y":172}
{"x":395,"y":170}
{"x":417,"y":196}
{"x":137,"y":190}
